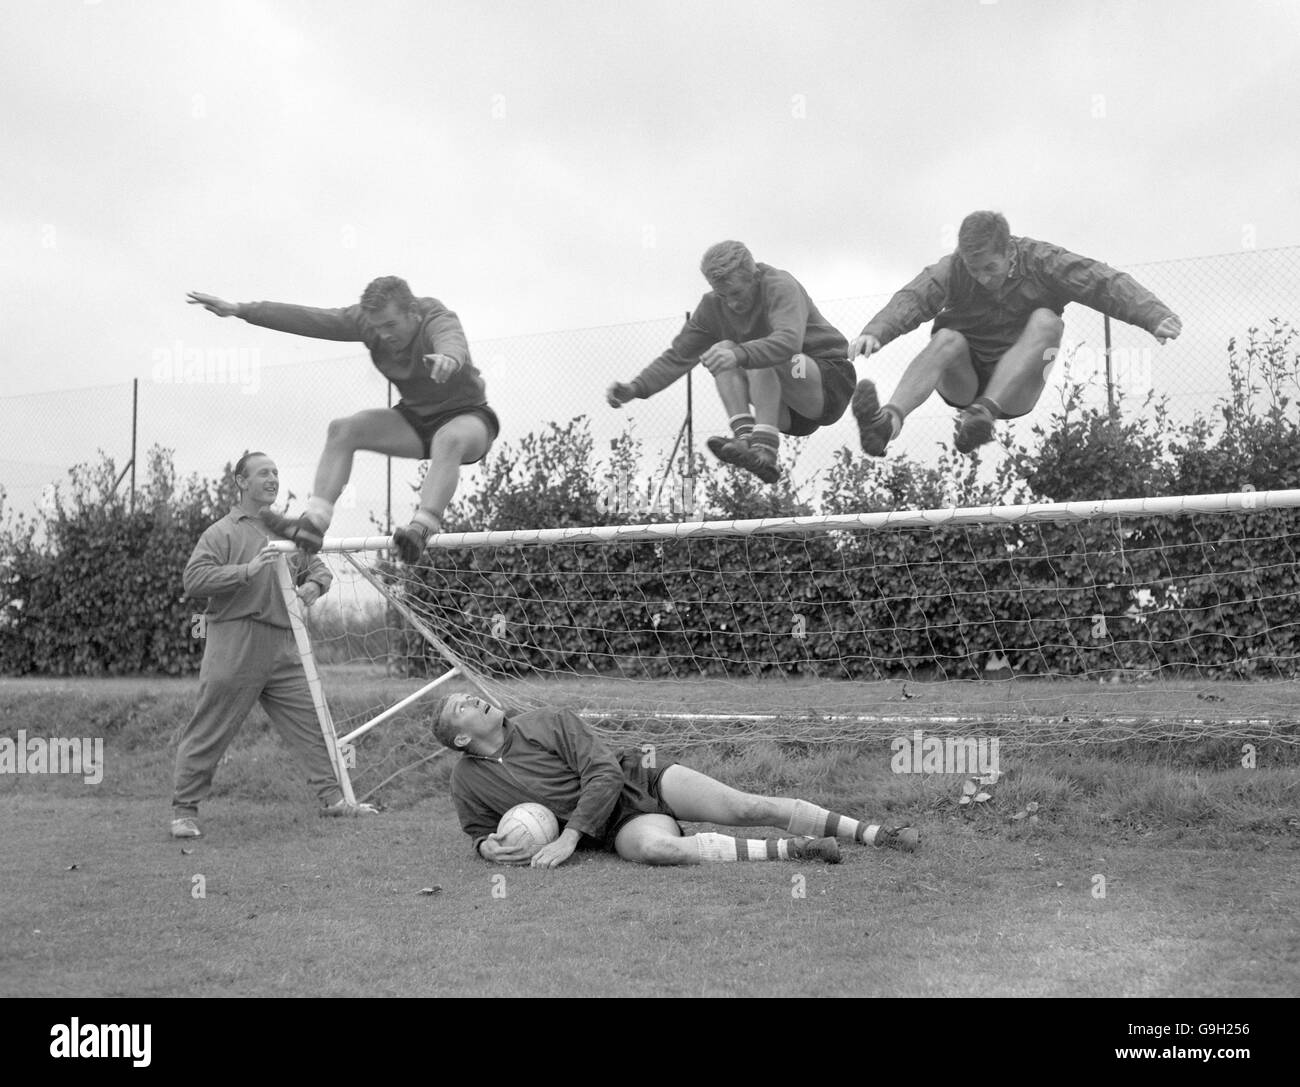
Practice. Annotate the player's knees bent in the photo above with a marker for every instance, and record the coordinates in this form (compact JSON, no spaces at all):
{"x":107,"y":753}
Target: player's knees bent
{"x":340,"y":432}
{"x":949,"y":344}
{"x":660,"y":850}
{"x":449,"y":446}
{"x":1045,"y":323}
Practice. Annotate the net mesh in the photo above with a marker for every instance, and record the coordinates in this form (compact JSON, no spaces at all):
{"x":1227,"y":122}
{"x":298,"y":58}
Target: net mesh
{"x":1107,"y":627}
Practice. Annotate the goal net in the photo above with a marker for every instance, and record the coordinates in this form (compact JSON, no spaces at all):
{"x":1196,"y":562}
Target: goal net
{"x":1074,"y":622}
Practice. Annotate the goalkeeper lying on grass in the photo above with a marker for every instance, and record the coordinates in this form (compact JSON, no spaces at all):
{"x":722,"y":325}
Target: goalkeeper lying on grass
{"x":626,"y":802}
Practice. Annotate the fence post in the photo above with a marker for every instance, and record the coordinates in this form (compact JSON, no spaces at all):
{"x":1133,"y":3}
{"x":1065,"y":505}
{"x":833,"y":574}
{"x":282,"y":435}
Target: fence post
{"x":135,"y":413}
{"x":1110,"y":376}
{"x":690,"y":432}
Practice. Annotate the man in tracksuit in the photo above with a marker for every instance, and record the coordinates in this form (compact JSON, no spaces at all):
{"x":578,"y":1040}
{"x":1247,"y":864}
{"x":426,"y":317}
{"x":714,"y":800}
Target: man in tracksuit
{"x":249,"y":654}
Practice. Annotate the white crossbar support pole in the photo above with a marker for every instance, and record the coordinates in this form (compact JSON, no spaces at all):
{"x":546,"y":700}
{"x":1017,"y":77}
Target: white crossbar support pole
{"x":363,"y":729}
{"x":1244,"y":501}
{"x":442,"y":647}
{"x":303,"y":640}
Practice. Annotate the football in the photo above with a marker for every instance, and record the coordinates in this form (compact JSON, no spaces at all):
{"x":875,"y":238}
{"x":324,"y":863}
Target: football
{"x":529,"y":825}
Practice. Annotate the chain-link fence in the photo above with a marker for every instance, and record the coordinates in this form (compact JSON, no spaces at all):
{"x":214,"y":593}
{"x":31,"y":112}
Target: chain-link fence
{"x":210,"y":403}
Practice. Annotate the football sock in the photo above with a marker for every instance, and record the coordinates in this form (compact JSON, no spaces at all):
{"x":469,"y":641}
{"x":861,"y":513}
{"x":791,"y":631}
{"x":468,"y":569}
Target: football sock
{"x":742,"y":426}
{"x":320,"y":512}
{"x":723,"y":847}
{"x":765,"y":437}
{"x":988,"y":404}
{"x":895,"y":420}
{"x":817,"y":822}
{"x":426,"y":518}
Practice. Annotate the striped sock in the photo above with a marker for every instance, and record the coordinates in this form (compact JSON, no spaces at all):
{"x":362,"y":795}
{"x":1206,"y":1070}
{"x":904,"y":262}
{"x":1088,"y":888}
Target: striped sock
{"x":988,"y":404}
{"x":715,"y":848}
{"x":896,"y":420}
{"x":742,"y":426}
{"x":766,"y":437}
{"x":819,"y":823}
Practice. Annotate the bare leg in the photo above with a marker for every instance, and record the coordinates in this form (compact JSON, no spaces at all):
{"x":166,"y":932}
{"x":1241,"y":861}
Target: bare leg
{"x":733,"y":389}
{"x":944,"y":364}
{"x":463,"y":440}
{"x":379,"y":430}
{"x":1020,"y":374}
{"x":801,"y":388}
{"x":765,"y":395}
{"x":698,"y":798}
{"x":655,"y":839}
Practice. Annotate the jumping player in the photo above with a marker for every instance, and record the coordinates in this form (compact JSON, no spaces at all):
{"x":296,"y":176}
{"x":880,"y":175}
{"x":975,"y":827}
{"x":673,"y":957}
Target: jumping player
{"x":443,"y":416}
{"x":779,"y":366}
{"x":627,"y":802}
{"x":998,"y":301}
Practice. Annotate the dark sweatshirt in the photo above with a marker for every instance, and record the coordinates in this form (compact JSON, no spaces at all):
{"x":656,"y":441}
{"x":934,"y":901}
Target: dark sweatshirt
{"x":440,"y":333}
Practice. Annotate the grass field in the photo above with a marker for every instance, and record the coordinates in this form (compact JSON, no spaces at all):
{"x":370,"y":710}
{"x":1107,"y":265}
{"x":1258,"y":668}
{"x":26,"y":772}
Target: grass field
{"x":1151,"y":869}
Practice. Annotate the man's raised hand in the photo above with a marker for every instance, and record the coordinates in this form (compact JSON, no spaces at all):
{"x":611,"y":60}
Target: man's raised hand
{"x":261,"y":560}
{"x":213,"y":304}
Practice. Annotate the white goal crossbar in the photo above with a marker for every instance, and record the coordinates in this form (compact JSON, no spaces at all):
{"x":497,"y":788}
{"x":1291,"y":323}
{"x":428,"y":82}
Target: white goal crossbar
{"x":1234,"y":502}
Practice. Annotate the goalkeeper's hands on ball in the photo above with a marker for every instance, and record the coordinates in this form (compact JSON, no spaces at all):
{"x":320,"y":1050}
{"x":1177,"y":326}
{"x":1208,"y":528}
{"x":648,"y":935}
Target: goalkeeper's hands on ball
{"x":555,"y":853}
{"x":500,"y":849}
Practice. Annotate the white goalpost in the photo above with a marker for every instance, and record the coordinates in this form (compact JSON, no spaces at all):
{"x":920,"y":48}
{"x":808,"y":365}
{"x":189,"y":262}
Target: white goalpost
{"x":1062,"y":623}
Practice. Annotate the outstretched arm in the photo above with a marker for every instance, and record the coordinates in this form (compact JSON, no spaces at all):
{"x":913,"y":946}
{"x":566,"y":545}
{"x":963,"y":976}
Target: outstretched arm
{"x":322,"y":324}
{"x":1101,"y":287}
{"x":695,"y":338}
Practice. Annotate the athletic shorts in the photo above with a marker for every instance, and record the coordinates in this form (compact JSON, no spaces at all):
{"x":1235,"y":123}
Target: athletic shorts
{"x":426,"y":426}
{"x":838,"y":381}
{"x":985,"y":353}
{"x":640,"y":795}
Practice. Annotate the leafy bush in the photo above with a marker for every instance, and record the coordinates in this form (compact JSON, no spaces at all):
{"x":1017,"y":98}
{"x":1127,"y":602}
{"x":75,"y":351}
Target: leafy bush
{"x":91,"y":587}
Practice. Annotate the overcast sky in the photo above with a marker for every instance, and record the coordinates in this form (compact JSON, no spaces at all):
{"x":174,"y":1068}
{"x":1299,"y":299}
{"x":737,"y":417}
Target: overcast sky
{"x":554,"y":165}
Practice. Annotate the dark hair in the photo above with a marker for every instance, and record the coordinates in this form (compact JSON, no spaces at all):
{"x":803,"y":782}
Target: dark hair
{"x":241,"y":465}
{"x":982,"y":230}
{"x":379,"y":292}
